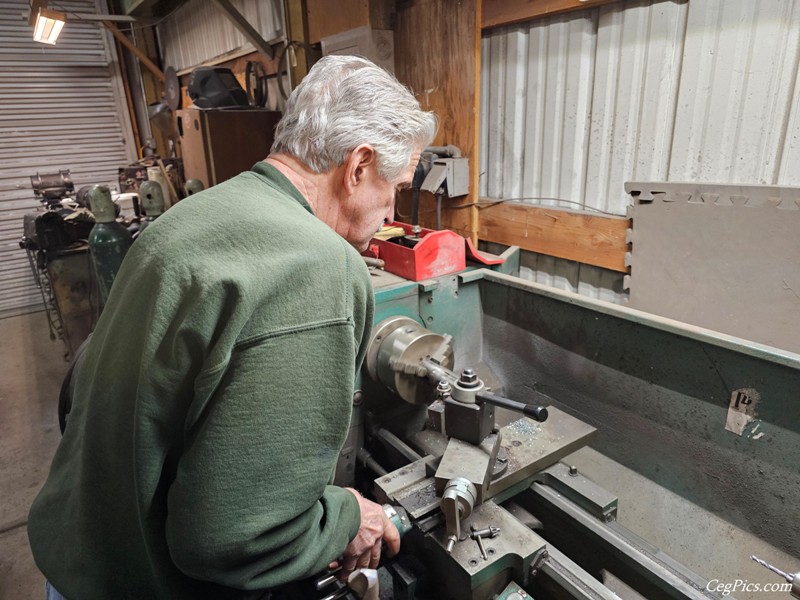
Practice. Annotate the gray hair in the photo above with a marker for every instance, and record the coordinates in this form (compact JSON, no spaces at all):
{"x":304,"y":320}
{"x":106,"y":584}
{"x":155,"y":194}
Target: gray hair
{"x":346,"y":101}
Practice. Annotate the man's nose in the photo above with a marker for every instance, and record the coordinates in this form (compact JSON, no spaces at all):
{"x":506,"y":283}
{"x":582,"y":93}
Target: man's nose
{"x":389,"y":217}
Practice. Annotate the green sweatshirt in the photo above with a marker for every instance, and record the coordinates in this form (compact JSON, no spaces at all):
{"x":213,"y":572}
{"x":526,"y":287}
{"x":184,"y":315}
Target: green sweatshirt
{"x":211,"y":406}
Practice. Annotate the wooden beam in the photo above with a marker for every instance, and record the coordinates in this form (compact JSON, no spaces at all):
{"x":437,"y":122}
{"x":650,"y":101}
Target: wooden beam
{"x":296,"y":16}
{"x":326,"y":18}
{"x":329,"y":18}
{"x":506,"y":12}
{"x":437,"y":55}
{"x":585,"y":238}
{"x":123,"y":39}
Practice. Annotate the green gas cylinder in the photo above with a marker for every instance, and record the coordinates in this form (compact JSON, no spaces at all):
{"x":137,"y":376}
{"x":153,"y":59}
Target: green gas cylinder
{"x":152,"y":199}
{"x":108,"y":240}
{"x":194,"y":186}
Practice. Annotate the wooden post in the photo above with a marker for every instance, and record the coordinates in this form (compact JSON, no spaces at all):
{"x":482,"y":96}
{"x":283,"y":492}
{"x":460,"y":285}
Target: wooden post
{"x":437,"y":55}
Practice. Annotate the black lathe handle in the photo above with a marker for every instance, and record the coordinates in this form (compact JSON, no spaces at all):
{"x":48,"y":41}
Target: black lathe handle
{"x":537,"y":413}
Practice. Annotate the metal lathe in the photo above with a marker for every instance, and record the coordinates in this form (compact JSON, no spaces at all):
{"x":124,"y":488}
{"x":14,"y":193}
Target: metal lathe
{"x":479,"y":388}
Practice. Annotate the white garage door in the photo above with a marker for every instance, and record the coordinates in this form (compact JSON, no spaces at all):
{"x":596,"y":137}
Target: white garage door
{"x":61,"y":107}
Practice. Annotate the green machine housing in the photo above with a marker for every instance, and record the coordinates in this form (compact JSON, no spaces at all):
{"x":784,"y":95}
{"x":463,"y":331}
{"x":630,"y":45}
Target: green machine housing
{"x":706,"y":424}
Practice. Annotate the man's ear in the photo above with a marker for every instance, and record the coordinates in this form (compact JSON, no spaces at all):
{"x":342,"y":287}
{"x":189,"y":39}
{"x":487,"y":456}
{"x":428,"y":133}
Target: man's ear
{"x":361,"y":158}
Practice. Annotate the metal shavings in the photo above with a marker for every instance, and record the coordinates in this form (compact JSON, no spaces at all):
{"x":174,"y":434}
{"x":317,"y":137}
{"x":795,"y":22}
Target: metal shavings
{"x":525,"y":427}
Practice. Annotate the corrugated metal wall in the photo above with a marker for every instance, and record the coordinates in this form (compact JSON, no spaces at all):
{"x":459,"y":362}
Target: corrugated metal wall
{"x":199,"y":32}
{"x":60,"y":108}
{"x":595,"y":282}
{"x":575,"y":105}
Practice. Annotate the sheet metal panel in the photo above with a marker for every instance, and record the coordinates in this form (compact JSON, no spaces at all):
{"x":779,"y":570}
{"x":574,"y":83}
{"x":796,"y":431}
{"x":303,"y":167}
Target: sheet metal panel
{"x":587,"y":280}
{"x":637,"y":70}
{"x":575,"y":105}
{"x":61,"y":107}
{"x":747,"y":281}
{"x":199,"y":32}
{"x":537,"y":83}
{"x":736,"y":116}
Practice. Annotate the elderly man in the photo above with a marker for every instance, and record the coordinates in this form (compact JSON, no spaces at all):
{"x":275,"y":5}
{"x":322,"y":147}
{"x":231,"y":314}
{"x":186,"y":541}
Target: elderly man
{"x":214,"y":397}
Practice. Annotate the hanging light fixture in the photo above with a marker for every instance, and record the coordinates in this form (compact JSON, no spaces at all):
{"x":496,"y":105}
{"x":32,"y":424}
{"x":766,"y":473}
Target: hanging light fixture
{"x":47,"y":23}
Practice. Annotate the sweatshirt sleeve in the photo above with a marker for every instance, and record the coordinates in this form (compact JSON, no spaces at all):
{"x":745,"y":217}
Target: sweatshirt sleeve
{"x":250,"y":507}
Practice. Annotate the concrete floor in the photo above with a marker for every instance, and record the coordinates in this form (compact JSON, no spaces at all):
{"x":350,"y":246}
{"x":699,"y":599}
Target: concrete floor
{"x":33,"y":367}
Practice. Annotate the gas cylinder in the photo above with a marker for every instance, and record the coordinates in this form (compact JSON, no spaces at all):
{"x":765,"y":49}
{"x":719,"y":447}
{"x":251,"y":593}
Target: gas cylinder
{"x":108,"y":241}
{"x":152,"y":199}
{"x":194,"y":186}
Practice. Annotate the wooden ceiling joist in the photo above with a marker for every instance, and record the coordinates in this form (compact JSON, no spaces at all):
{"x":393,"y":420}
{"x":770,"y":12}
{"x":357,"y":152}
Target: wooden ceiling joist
{"x":497,"y":13}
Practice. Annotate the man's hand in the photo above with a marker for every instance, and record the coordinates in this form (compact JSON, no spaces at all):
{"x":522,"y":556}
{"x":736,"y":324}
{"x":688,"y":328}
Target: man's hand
{"x":364,"y":551}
